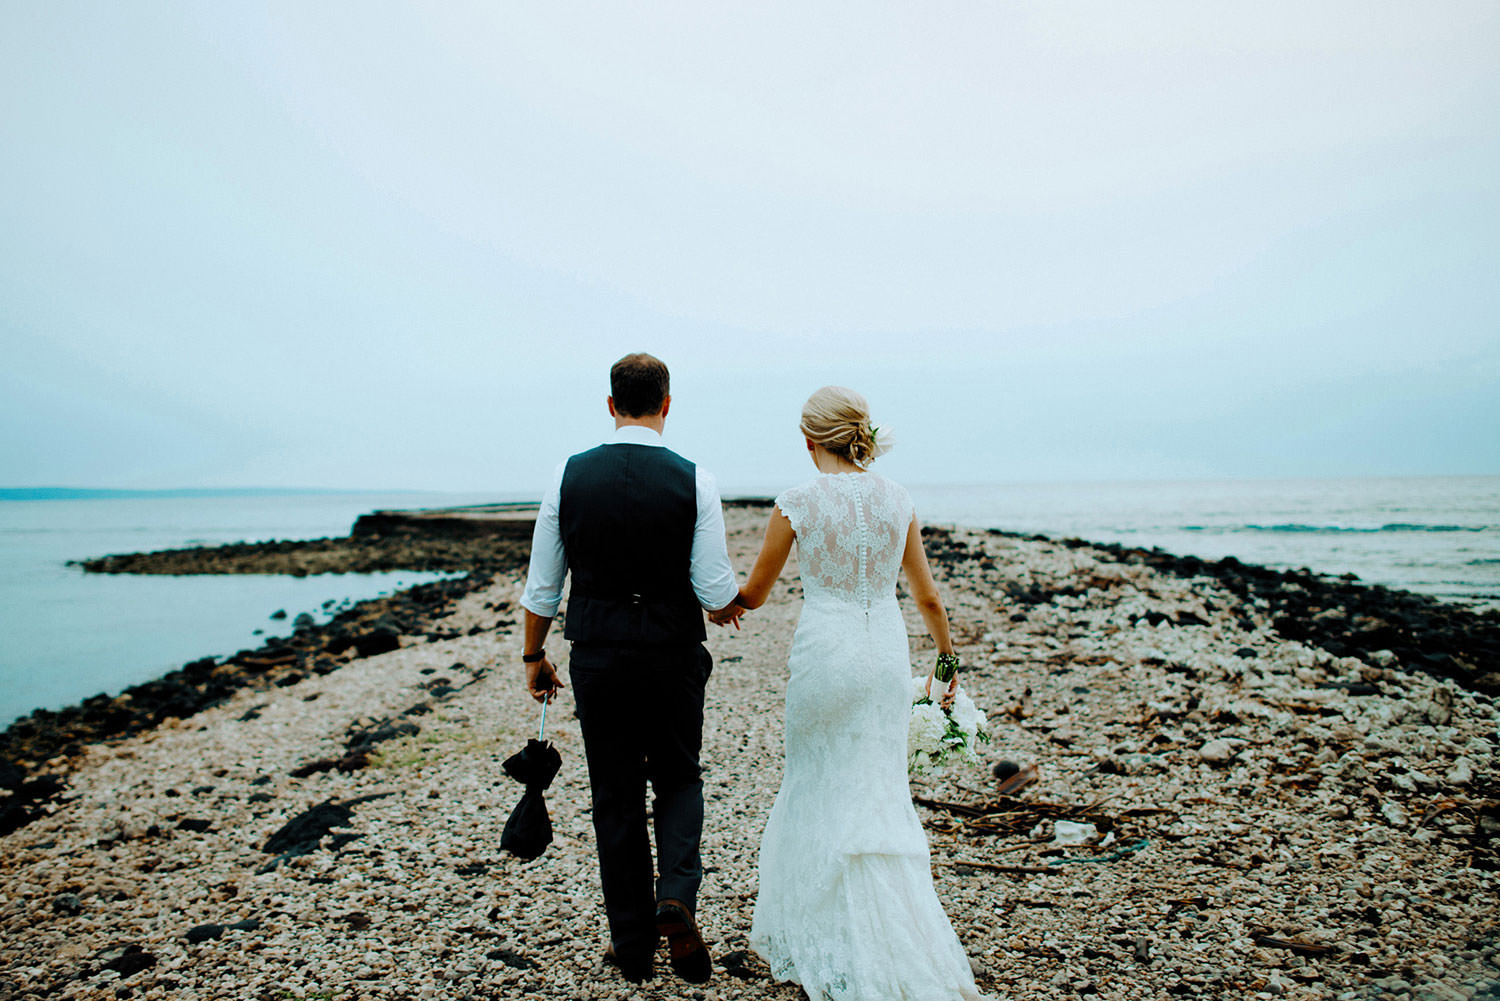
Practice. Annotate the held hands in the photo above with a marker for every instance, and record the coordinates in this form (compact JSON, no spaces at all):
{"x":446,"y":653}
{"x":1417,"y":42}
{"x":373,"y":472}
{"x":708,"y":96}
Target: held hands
{"x":730,"y":613}
{"x":541,"y":679}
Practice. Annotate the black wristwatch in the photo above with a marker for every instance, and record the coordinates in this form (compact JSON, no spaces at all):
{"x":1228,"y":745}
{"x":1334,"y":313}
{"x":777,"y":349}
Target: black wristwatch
{"x":532,"y":658}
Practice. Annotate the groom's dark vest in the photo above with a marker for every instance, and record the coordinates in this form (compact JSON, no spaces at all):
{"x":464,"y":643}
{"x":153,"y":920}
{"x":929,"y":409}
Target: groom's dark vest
{"x":627,"y":517}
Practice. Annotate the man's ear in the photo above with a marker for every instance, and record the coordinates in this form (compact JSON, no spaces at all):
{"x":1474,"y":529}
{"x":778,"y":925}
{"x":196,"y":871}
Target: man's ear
{"x":666,"y":404}
{"x":610,"y":400}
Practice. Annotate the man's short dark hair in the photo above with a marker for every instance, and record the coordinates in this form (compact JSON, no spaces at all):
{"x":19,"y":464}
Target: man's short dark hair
{"x":640,"y":384}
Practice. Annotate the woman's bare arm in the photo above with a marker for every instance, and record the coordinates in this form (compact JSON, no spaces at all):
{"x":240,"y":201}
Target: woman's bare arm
{"x":925,"y":593}
{"x":773,"y":553}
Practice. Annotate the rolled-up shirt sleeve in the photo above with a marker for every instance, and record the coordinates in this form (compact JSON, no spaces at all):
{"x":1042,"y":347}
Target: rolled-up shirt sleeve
{"x":712,"y":574}
{"x":549,"y":561}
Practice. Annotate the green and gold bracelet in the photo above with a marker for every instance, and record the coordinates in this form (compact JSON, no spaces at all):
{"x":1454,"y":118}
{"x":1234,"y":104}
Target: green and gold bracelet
{"x":947,"y":666}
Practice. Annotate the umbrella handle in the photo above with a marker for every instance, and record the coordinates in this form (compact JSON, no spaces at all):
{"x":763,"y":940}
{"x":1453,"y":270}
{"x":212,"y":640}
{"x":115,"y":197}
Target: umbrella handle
{"x":541,"y":729}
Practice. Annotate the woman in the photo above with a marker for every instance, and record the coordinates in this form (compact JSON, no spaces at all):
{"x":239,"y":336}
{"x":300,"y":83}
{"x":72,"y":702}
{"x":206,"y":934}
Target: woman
{"x":846,"y":905}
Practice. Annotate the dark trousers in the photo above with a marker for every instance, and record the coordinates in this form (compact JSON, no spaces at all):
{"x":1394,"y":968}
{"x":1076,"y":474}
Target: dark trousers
{"x":641,"y":712}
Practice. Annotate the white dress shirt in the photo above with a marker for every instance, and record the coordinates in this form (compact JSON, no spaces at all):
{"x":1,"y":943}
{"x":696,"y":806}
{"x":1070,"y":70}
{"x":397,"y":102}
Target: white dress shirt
{"x":712,"y":576}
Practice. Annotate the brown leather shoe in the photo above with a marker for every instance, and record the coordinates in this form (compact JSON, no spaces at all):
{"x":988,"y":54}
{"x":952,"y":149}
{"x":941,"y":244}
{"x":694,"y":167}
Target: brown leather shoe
{"x":634,"y":970}
{"x":690,"y":958}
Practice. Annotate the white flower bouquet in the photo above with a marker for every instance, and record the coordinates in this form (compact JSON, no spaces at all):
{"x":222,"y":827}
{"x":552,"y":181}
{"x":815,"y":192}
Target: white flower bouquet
{"x":937,"y":736}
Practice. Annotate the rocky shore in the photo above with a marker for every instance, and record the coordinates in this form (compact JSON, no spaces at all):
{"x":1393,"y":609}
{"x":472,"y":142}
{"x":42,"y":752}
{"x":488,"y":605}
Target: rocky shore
{"x":1251,"y":784}
{"x":36,"y":749}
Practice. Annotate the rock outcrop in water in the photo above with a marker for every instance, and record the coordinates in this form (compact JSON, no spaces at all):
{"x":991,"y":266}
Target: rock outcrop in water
{"x":488,"y":539}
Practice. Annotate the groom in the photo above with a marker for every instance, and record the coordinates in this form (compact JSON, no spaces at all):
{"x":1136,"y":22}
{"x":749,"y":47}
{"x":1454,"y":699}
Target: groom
{"x":641,"y":529}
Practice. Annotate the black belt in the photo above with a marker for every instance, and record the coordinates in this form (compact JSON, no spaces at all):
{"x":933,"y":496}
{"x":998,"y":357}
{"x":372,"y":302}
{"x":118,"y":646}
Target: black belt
{"x":630,"y":597}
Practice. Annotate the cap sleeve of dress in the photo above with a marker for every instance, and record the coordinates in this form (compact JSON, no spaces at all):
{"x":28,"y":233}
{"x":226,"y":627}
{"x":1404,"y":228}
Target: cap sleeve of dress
{"x":903,"y":499}
{"x":794,"y":503}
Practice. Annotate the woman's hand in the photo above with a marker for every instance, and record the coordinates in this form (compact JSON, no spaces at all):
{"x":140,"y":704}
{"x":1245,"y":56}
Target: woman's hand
{"x":946,"y":696}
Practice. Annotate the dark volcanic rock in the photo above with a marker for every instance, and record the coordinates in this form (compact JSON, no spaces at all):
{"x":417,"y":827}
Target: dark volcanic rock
{"x":302,"y":833}
{"x":1004,"y":769}
{"x":742,"y":965}
{"x":313,"y":768}
{"x":381,"y":640}
{"x":365,"y":739}
{"x":512,"y":959}
{"x":38,"y":790}
{"x":28,"y":801}
{"x":351,"y":762}
{"x":11,"y":774}
{"x":130,"y":961}
{"x":204,"y":933}
{"x":1035,"y":594}
{"x":1353,"y":687}
{"x":457,"y":551}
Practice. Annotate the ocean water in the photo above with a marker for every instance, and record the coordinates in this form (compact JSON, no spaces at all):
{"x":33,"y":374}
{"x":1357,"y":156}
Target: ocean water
{"x":1436,"y":535}
{"x":66,"y":635}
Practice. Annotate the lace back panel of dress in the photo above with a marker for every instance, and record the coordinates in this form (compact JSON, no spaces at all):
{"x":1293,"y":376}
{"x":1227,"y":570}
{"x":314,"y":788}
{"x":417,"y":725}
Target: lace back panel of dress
{"x":851,"y":533}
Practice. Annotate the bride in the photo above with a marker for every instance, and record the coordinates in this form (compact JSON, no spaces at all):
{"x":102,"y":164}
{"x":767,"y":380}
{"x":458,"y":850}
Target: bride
{"x":846,"y":906}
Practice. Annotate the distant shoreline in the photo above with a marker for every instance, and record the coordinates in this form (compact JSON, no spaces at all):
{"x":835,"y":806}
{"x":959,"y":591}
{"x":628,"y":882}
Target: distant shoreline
{"x":109,"y":493}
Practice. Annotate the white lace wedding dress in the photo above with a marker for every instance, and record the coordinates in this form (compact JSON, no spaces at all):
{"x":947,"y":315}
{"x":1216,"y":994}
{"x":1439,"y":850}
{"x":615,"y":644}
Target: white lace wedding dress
{"x":847,"y":907}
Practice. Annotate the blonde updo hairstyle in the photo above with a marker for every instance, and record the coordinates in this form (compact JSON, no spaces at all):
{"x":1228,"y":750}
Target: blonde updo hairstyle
{"x":839,"y":420}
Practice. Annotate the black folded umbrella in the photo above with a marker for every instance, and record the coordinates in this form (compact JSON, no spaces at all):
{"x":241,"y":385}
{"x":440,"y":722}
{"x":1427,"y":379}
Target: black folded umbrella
{"x":528,"y":832}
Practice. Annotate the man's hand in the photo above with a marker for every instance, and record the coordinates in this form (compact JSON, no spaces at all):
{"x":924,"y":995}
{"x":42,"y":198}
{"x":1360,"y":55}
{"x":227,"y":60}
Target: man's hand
{"x":541,"y":676}
{"x":542,"y":680}
{"x":729,"y":613}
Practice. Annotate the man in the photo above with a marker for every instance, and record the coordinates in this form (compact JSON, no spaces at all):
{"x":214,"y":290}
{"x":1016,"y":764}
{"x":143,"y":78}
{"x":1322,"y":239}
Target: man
{"x":642,"y":530}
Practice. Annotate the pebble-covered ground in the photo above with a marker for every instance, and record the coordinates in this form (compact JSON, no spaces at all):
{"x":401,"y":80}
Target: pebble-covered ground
{"x":1268,"y":820}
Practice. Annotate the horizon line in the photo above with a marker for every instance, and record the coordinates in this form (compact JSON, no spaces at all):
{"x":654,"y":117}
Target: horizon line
{"x":84,"y":493}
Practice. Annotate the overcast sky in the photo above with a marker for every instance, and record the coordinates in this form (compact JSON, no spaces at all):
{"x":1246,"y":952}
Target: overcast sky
{"x":399,"y":245}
